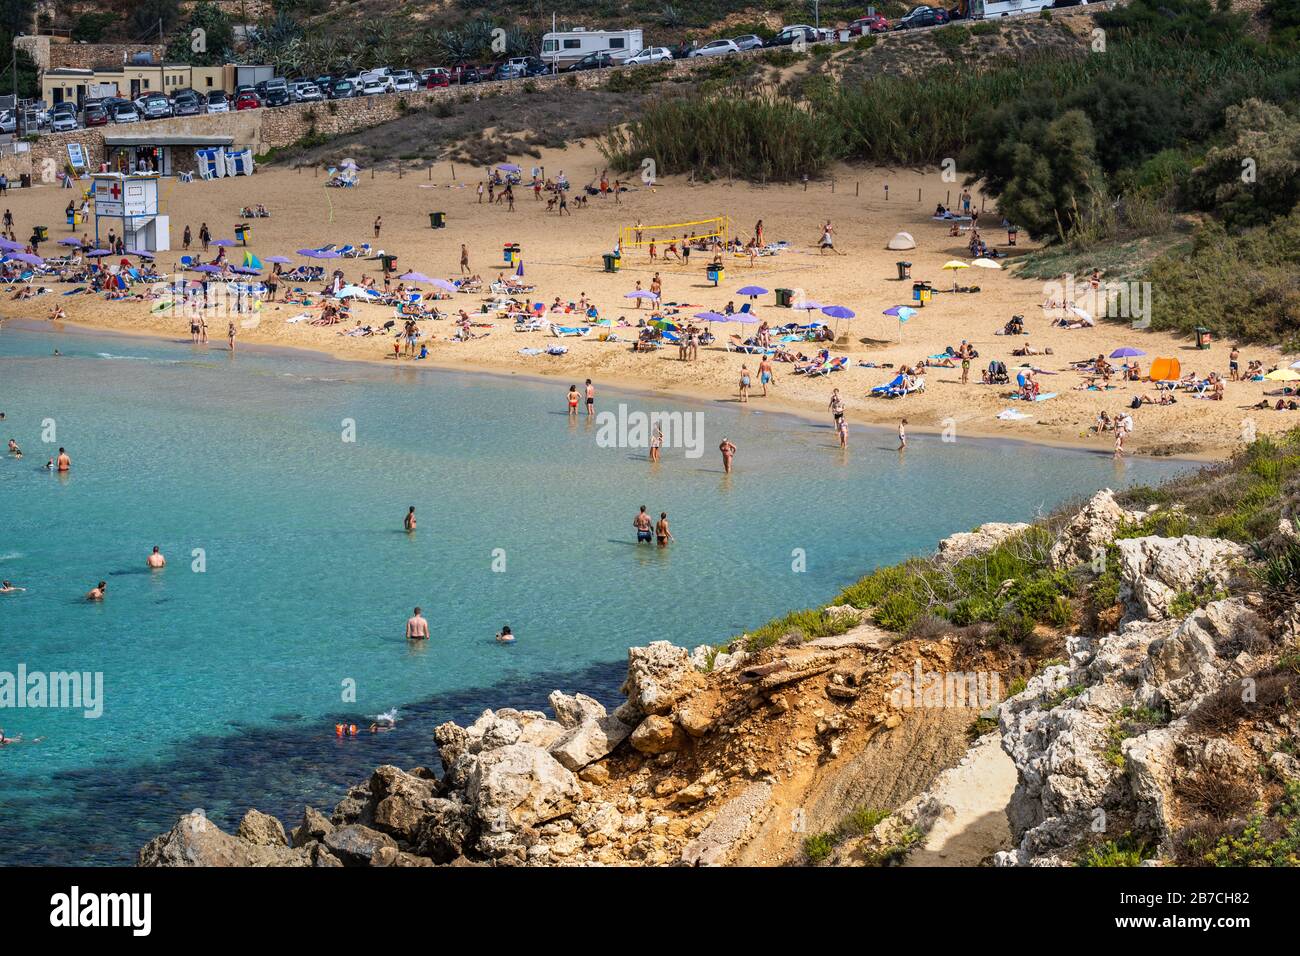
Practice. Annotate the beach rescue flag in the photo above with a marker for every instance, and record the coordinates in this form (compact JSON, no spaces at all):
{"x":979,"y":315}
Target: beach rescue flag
{"x":520,"y":270}
{"x":251,"y":261}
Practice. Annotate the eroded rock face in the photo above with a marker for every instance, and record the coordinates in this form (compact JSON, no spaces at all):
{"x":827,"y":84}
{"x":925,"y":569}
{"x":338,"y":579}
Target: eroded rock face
{"x":985,"y":538}
{"x":356,"y":845}
{"x":1091,"y":530}
{"x":656,"y":735}
{"x":522,"y":783}
{"x":658,"y":676}
{"x":261,"y":829}
{"x":197,"y":841}
{"x":589,"y":741}
{"x":1188,"y":664}
{"x":1154,"y":571}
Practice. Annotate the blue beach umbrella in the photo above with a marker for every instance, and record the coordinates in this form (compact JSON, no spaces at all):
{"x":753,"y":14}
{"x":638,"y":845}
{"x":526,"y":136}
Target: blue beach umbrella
{"x":838,"y":312}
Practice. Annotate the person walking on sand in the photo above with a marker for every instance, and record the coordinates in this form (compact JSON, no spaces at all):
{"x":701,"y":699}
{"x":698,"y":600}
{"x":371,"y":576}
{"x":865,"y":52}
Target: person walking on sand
{"x":744,"y":383}
{"x":573,"y":401}
{"x":765,"y":374}
{"x":828,"y":239}
{"x":728,"y":453}
{"x":480,"y":194}
{"x":464,"y":258}
{"x":644,"y":527}
{"x":408,"y":523}
{"x":417,"y":628}
{"x":662,"y":534}
{"x":205,"y":236}
{"x":591,"y":399}
{"x":964,"y":354}
{"x":155,"y":559}
{"x":510,"y":198}
{"x":379,"y":222}
{"x":187,"y":238}
{"x":902,"y":434}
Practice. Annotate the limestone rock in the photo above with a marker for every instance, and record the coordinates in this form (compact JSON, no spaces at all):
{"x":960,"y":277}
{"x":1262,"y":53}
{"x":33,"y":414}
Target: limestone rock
{"x":355,"y":845}
{"x":985,"y":538}
{"x":197,"y":841}
{"x":656,"y":735}
{"x":261,"y":829}
{"x":1090,"y":530}
{"x":521,"y":784}
{"x":589,"y":741}
{"x":570,"y":711}
{"x":658,"y":676}
{"x":1154,"y":570}
{"x":314,"y":828}
{"x":1185,"y":666}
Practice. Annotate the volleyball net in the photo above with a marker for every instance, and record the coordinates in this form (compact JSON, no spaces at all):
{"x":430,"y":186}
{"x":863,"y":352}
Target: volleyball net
{"x":718,"y":227}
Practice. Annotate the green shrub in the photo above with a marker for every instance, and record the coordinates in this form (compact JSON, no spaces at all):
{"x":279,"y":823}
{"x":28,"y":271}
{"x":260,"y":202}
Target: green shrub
{"x":818,"y":848}
{"x":1126,"y":851}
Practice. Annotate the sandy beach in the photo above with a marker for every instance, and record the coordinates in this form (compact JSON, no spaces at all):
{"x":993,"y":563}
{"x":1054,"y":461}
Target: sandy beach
{"x":562,"y":258}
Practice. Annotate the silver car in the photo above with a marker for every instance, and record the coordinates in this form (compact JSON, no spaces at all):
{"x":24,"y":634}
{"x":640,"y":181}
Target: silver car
{"x":749,"y":42}
{"x":716,"y":48}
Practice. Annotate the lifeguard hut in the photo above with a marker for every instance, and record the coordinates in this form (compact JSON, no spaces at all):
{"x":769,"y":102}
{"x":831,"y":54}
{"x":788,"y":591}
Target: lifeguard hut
{"x":127,"y":203}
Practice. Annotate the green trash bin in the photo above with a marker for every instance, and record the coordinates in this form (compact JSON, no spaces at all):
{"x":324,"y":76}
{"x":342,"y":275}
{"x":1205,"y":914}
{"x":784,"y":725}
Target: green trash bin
{"x":611,"y":262}
{"x":437,"y":220}
{"x":42,"y":233}
{"x":784,"y":297}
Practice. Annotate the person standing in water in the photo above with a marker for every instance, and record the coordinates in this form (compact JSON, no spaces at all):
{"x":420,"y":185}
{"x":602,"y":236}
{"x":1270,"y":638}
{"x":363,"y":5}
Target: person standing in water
{"x":644,"y":527}
{"x":591,"y":398}
{"x":156,"y":560}
{"x":408,"y":523}
{"x":573,"y":401}
{"x":64,"y":463}
{"x":842,"y":430}
{"x":661,"y":530}
{"x":728,"y":453}
{"x":417,"y":628}
{"x":230,"y":335}
{"x":656,"y":442}
{"x":902,"y":434}
{"x":97,"y":592}
{"x":505,"y":635}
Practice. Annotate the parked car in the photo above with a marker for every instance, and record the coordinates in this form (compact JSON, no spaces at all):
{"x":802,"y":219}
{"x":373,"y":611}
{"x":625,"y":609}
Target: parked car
{"x":922,"y":17}
{"x":247,"y":100}
{"x":435,"y":77}
{"x":592,"y":61}
{"x":124,"y":111}
{"x":218,"y":102}
{"x":186,"y":103}
{"x":651,"y":54}
{"x":372,"y":86}
{"x":871,"y":23}
{"x":404,"y":81}
{"x":342,"y":89}
{"x":716,"y":48}
{"x":749,"y":42}
{"x":154,"y":106}
{"x":521,"y":66}
{"x":277,"y":95}
{"x":309,"y":92}
{"x":790,"y":34}
{"x":64,"y":122}
{"x":466,"y":73}
{"x":94,"y":115}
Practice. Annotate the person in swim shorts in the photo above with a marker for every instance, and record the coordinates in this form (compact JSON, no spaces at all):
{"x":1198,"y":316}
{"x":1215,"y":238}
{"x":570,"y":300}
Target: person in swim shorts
{"x":765,"y":374}
{"x":644,"y":527}
{"x":591,"y":398}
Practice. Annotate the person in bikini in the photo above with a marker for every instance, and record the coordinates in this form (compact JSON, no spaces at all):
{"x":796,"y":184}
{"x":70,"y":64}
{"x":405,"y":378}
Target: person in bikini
{"x":662,"y":534}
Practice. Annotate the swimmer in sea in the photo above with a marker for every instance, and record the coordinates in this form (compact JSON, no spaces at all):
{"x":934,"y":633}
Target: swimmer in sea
{"x":644,"y":527}
{"x":49,"y":465}
{"x":97,"y":592}
{"x":506,"y":636}
{"x":64,"y":462}
{"x":408,"y":522}
{"x":14,"y":449}
{"x":417,"y":628}
{"x":7,"y":587}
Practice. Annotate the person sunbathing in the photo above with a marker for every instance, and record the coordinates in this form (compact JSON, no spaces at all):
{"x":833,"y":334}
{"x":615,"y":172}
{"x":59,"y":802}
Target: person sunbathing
{"x":1027,"y":349}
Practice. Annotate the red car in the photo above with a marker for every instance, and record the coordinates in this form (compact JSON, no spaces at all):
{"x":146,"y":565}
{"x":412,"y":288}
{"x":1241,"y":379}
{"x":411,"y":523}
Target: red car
{"x":873,"y":23}
{"x":436,"y":77}
{"x":247,"y":101}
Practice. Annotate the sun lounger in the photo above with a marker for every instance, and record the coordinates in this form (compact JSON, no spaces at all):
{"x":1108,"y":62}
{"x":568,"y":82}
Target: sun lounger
{"x":897,"y":388}
{"x":570,"y":331}
{"x":534,"y":324}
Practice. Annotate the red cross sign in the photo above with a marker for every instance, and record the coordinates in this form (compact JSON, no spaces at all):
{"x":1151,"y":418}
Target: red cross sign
{"x":116,"y":192}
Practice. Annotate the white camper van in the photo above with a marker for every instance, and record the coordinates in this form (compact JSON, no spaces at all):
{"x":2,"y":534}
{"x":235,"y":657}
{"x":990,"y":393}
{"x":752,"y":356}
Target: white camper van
{"x":992,"y":9}
{"x":566,"y":47}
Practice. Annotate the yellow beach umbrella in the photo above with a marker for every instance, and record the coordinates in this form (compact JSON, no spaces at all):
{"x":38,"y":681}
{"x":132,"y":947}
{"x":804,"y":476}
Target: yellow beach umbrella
{"x":954,"y":265}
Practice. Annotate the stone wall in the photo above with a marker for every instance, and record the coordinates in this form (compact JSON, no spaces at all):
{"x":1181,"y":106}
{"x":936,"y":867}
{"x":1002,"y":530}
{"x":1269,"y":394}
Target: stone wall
{"x":56,"y":53}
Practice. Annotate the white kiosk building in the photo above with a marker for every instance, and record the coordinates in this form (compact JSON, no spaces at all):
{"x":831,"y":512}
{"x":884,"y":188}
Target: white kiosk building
{"x":128,"y":204}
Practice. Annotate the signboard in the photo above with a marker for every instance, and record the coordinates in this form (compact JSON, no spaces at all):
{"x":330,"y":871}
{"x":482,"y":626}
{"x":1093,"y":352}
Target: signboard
{"x":129,"y":197}
{"x":76,"y":156}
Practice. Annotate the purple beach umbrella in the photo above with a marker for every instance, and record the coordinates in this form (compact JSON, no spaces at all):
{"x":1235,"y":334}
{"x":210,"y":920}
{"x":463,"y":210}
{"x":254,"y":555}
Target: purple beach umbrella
{"x":444,"y":285}
{"x":711,"y":316}
{"x":142,"y":253}
{"x":224,"y":242}
{"x":838,"y":312}
{"x":246,"y":270}
{"x":752,"y":290}
{"x":28,"y":258}
{"x":96,"y":253}
{"x":8,"y":245}
{"x":69,"y":242}
{"x":640,"y":294}
{"x":1126,"y":352}
{"x":283,"y":260}
{"x":207,"y":268}
{"x":414,"y":277}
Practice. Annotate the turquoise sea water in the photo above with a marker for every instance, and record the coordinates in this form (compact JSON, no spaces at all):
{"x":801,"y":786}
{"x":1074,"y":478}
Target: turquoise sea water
{"x":221,"y":687}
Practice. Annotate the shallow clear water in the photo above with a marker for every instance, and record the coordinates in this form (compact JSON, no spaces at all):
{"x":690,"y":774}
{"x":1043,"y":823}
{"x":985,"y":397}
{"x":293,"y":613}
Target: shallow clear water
{"x":221,"y":687}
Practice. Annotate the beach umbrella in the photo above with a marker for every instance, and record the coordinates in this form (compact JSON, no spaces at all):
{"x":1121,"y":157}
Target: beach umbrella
{"x":100,"y":252}
{"x":223,"y":242}
{"x":283,"y":260}
{"x":1080,"y":313}
{"x":246,"y":270}
{"x":663,"y":325}
{"x":838,"y":312}
{"x":986,"y":263}
{"x":640,"y":294}
{"x":142,"y":253}
{"x":69,"y":242}
{"x":807,"y":305}
{"x":207,"y":268}
{"x":8,"y":245}
{"x":444,"y":285}
{"x":712,"y":316}
{"x":414,"y":277}
{"x":744,"y":318}
{"x":252,"y":261}
{"x":753,"y":291}
{"x":28,"y":258}
{"x":1295,"y":365}
{"x":520,"y":270}
{"x":508,"y":167}
{"x":954,"y":265}
{"x":1283,"y":375}
{"x":902,"y":313}
{"x":351,"y":291}
{"x":1126,"y":352}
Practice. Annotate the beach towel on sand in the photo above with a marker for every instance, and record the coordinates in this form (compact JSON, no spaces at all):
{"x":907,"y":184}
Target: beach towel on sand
{"x":1011,"y":415}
